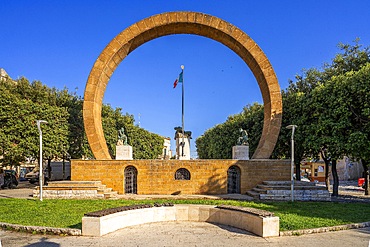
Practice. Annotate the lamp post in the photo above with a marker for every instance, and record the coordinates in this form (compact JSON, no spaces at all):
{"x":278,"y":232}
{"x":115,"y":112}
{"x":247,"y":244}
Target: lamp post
{"x":41,"y":173}
{"x":292,"y":127}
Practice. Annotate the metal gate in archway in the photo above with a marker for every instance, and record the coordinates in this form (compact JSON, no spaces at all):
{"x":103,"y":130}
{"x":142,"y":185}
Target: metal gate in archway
{"x":233,"y":180}
{"x":130,"y":180}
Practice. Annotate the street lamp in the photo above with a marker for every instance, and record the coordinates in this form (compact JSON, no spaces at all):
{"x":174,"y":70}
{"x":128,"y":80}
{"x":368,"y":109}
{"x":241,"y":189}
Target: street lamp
{"x":41,"y":173}
{"x":292,"y":127}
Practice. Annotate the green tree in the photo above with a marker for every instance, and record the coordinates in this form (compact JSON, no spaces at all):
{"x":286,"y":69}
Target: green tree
{"x":22,"y":103}
{"x":316,"y":102}
{"x":145,"y":145}
{"x":356,"y":84}
{"x":19,"y":112}
{"x":217,"y":142}
{"x":78,"y":144}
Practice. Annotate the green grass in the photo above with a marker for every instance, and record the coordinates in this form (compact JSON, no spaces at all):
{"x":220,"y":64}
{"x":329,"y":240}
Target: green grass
{"x":68,"y":213}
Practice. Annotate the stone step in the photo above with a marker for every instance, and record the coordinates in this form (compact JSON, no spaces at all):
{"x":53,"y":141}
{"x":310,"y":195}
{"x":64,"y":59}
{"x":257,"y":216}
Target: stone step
{"x":253,"y":194}
{"x":102,"y":187}
{"x":74,"y":183}
{"x":276,"y":197}
{"x":110,"y":195}
{"x":286,"y":183}
{"x":281,"y":191}
{"x":67,"y":187}
{"x":104,"y":190}
{"x":287,"y":187}
{"x":73,"y":188}
{"x":259,"y":190}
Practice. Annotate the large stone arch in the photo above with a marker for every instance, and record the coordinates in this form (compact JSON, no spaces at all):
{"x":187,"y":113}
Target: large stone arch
{"x":182,"y":23}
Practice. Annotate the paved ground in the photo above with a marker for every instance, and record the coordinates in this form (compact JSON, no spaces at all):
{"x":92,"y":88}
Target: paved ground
{"x":189,"y":233}
{"x":23,"y":190}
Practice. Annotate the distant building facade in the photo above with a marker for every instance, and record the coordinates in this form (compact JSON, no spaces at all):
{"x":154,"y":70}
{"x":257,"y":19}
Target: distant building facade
{"x":347,"y":169}
{"x":166,"y":152}
{"x":3,"y":74}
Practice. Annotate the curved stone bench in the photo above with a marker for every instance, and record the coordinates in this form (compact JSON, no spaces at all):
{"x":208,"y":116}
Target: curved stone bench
{"x":259,"y":222}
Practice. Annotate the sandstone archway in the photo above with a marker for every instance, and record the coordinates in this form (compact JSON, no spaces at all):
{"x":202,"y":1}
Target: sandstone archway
{"x":182,"y":23}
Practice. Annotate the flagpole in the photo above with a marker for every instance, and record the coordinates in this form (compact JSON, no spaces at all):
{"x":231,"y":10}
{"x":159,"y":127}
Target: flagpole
{"x":183,"y":128}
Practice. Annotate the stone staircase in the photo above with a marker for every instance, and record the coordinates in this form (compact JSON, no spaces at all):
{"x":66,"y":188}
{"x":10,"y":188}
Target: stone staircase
{"x":76,"y":190}
{"x":281,"y":191}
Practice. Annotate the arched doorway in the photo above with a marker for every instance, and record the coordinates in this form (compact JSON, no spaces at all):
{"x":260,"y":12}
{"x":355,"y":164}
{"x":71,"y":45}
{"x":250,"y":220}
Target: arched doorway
{"x":233,"y":180}
{"x":130,"y":180}
{"x":182,"y":23}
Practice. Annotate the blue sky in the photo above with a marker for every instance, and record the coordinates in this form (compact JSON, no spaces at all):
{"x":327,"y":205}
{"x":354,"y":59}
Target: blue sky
{"x":58,"y":41}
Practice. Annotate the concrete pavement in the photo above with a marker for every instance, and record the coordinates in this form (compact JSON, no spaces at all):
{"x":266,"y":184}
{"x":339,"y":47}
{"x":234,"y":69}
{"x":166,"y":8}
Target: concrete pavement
{"x":181,"y":234}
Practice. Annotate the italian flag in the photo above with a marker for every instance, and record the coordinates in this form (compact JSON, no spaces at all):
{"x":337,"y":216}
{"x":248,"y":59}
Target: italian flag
{"x":178,"y":80}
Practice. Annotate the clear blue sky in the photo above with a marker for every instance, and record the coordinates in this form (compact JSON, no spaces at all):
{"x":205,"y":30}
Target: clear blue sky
{"x":58,"y":41}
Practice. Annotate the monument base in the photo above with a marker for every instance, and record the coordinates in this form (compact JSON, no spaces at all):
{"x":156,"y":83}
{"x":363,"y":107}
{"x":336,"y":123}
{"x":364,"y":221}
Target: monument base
{"x":241,"y":152}
{"x":124,"y":152}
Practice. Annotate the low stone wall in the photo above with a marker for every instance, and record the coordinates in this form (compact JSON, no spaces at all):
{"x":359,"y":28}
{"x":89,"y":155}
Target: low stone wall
{"x":157,"y":177}
{"x":259,"y":222}
{"x":40,"y":229}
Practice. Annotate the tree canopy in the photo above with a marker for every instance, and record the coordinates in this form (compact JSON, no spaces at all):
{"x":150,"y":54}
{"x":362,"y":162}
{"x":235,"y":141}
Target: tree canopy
{"x":217,"y":142}
{"x":22,"y":103}
{"x":330,"y":106}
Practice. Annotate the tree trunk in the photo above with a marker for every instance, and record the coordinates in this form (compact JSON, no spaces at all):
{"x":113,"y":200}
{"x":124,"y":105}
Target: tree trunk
{"x":335,"y":177}
{"x":366,"y":166}
{"x":298,"y":171}
{"x":327,"y":162}
{"x":64,"y":168}
{"x":49,"y":169}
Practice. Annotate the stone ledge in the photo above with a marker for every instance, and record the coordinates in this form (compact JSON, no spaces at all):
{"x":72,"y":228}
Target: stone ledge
{"x":255,"y":211}
{"x":41,"y":229}
{"x":252,"y":222}
{"x":325,"y":229}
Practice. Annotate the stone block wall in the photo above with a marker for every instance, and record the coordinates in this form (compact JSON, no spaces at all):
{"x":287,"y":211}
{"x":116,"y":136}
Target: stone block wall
{"x":158,"y":176}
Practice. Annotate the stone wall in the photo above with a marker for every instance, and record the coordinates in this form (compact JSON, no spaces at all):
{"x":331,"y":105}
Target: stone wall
{"x":158,"y":176}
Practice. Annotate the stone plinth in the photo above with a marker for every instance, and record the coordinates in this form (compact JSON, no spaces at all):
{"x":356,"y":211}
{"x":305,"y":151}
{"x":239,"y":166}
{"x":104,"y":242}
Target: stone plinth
{"x":124,"y":152}
{"x":241,"y":152}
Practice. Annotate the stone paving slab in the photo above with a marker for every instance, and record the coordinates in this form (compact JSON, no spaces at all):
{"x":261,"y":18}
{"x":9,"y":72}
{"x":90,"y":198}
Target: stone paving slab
{"x":181,"y":234}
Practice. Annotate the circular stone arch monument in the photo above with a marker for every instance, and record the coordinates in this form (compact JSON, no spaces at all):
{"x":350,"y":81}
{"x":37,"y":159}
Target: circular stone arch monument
{"x":182,"y":23}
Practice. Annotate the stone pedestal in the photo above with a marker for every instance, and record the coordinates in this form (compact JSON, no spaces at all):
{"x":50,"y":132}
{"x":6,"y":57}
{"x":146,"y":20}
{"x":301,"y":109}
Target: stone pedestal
{"x":241,"y":152}
{"x":124,"y":152}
